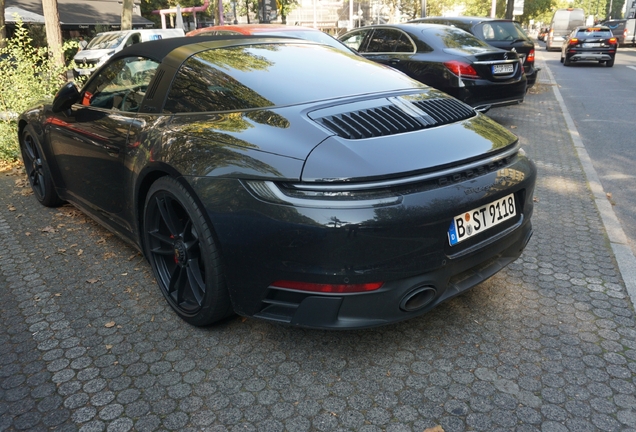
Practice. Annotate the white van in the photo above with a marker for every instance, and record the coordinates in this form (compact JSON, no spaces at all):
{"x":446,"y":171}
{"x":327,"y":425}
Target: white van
{"x":563,"y":22}
{"x":104,"y":45}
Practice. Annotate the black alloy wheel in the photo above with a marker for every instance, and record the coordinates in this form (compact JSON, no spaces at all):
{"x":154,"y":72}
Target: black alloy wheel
{"x":37,"y":170}
{"x":181,"y":250}
{"x":609,"y":63}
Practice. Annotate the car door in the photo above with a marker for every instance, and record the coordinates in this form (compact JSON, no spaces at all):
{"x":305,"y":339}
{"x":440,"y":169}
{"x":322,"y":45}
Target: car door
{"x":89,"y":140}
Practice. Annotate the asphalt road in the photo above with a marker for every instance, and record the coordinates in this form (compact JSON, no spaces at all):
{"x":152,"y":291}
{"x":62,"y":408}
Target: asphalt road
{"x":549,"y":344}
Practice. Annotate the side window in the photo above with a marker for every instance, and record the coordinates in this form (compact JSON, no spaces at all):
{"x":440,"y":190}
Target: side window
{"x":121,"y":85}
{"x":200,"y":87}
{"x":384,"y":41}
{"x":404,"y":45}
{"x":354,"y":40}
{"x":133,"y":39}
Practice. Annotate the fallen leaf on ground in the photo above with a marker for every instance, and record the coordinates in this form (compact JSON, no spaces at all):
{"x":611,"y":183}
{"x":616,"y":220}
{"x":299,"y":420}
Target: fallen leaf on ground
{"x":437,"y":428}
{"x":48,"y":229}
{"x":110,"y":324}
{"x":91,"y":281}
{"x":11,"y":208}
{"x":513,"y":127}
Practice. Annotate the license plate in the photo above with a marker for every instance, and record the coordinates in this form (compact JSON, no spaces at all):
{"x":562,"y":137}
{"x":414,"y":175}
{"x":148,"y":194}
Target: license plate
{"x":503,"y":68}
{"x":478,"y":220}
{"x":591,"y":45}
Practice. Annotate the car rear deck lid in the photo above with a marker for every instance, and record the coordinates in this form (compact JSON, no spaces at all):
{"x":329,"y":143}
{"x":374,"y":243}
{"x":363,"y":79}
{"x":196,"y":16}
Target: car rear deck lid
{"x":391,"y":116}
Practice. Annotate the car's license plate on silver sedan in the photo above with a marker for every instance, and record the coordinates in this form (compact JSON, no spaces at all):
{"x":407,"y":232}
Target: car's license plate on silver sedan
{"x":478,"y":220}
{"x":502,"y":68}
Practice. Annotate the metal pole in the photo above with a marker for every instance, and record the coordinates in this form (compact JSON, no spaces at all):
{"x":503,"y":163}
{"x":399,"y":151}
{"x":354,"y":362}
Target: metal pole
{"x":423,"y":14}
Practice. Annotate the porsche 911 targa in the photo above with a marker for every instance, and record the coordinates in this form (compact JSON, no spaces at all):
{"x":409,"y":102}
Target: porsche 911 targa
{"x":284,"y":179}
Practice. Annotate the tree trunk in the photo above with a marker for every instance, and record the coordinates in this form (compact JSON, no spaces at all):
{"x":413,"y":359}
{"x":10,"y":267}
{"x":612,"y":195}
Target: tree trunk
{"x":126,"y":15}
{"x":53,"y":31}
{"x":3,"y":30}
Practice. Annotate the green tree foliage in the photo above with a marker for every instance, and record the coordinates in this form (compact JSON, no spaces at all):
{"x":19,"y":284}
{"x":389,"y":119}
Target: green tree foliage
{"x":27,"y":75}
{"x":285,"y":7}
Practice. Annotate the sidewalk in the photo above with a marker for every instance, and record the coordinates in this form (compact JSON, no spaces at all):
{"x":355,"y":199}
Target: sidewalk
{"x":87,"y":341}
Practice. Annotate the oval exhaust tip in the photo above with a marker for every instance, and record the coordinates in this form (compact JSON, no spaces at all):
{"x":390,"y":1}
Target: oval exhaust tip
{"x":418,"y":299}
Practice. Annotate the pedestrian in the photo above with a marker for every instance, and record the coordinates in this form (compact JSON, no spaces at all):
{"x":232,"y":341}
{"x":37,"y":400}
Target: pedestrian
{"x":82,"y":43}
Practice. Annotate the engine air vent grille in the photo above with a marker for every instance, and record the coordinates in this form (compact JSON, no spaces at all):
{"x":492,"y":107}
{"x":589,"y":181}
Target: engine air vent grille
{"x":391,"y":119}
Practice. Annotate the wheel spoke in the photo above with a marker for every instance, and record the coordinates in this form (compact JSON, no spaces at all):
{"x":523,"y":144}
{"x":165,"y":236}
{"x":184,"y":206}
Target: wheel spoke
{"x":177,"y":282}
{"x":168,"y":216}
{"x":195,"y":279}
{"x":30,"y":150}
{"x":162,"y":238}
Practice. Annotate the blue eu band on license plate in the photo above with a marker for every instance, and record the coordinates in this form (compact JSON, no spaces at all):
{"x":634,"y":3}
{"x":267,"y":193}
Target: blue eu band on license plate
{"x":478,"y":220}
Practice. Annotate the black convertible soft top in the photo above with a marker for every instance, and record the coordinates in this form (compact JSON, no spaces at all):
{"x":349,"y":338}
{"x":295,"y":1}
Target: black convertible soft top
{"x":157,"y":50}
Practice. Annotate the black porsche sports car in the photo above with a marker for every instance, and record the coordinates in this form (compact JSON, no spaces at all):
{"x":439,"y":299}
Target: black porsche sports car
{"x":284,"y":179}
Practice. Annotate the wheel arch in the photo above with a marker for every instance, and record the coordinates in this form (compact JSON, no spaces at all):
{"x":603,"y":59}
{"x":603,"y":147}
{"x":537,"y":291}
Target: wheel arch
{"x":145,"y":181}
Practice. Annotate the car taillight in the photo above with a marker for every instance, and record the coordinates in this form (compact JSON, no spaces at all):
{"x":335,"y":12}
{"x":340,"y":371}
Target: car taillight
{"x":612,"y":41}
{"x":574,"y":41}
{"x":461,"y":69}
{"x":531,"y":55}
{"x":327,"y":288}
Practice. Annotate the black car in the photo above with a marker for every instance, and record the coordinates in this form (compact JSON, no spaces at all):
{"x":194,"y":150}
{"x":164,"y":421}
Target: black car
{"x":446,"y":58}
{"x":500,"y":33}
{"x":350,"y":198}
{"x":590,"y":44}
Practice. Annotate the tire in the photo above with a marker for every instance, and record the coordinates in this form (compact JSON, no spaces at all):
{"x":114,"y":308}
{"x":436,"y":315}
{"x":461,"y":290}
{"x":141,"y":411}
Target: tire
{"x":561,"y":59}
{"x":180,"y":247}
{"x":609,"y":63}
{"x":37,"y":169}
{"x":566,"y":61}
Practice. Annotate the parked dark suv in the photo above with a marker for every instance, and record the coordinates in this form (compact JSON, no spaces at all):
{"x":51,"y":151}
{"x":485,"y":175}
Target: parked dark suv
{"x":500,"y":33}
{"x":590,"y":44}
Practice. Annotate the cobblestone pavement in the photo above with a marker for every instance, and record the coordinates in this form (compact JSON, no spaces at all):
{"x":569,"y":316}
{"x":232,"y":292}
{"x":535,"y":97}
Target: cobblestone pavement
{"x":88,"y":343}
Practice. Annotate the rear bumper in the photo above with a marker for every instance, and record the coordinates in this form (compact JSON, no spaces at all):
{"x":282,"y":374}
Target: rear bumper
{"x":405,"y":246}
{"x":590,"y":56}
{"x":391,"y":303}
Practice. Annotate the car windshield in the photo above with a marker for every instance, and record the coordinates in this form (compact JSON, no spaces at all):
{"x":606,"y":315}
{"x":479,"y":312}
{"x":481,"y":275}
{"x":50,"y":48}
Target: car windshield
{"x":593,"y":32}
{"x":500,"y":31}
{"x":106,"y":41}
{"x":245,"y":77}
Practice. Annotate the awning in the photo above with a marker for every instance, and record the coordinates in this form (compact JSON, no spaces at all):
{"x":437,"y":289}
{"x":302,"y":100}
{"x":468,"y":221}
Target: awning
{"x":12,"y":14}
{"x":81,"y":12}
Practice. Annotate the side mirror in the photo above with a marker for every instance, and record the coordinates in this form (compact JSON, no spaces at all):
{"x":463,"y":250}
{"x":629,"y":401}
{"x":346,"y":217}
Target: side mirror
{"x":65,"y":97}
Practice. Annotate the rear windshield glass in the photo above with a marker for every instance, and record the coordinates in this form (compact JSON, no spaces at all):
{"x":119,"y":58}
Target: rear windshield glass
{"x":267,"y":75}
{"x":452,"y":37}
{"x":593,"y":32}
{"x":615,"y":26}
{"x":500,"y":31}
